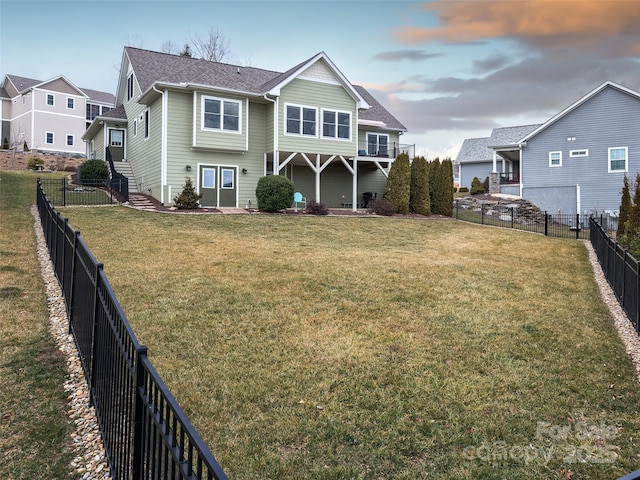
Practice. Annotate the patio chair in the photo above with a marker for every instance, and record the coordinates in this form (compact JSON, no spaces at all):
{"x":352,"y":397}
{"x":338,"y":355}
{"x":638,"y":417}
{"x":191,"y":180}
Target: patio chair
{"x":298,"y":198}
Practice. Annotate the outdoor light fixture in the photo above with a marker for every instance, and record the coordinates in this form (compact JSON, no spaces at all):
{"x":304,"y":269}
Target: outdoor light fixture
{"x":244,"y":170}
{"x":188,"y":168}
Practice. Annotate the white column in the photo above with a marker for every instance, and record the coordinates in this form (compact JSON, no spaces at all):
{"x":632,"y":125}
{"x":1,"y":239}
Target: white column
{"x":578,"y":203}
{"x":355,"y":184}
{"x":318,"y":177}
{"x":495,"y":159}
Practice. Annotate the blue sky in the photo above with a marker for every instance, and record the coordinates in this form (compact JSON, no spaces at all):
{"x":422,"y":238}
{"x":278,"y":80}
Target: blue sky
{"x":448,"y":70}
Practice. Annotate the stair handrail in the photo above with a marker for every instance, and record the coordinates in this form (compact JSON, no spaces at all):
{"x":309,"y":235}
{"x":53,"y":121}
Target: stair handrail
{"x":119,"y":183}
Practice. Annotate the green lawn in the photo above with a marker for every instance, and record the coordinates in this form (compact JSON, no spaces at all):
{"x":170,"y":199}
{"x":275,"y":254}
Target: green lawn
{"x":332,"y":347}
{"x":34,"y":430}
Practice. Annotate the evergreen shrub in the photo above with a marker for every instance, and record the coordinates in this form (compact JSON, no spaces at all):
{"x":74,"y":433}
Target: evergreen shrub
{"x":397,"y":188}
{"x":274,"y":193}
{"x":315,"y":208}
{"x":188,"y":198}
{"x":35,"y":163}
{"x":93,"y":170}
{"x":476,"y":186}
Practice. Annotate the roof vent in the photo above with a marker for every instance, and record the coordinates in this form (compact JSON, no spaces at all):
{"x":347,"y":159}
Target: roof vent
{"x":238,"y":69}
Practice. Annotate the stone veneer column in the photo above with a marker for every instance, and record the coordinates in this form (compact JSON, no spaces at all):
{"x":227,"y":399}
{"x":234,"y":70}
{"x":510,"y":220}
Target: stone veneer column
{"x":494,"y":183}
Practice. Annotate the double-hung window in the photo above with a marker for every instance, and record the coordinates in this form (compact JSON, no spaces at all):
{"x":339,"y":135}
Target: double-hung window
{"x":50,"y":99}
{"x":618,"y":159}
{"x":220,"y":114}
{"x":70,"y":140}
{"x":301,"y":120}
{"x":555,"y":159}
{"x":49,"y":138}
{"x":71,"y":103}
{"x":336,"y":124}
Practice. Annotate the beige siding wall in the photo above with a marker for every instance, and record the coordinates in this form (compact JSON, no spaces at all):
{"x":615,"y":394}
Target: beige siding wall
{"x":319,"y":95}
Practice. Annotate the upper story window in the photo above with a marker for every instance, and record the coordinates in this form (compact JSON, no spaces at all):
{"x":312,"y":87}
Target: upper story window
{"x":71,"y":102}
{"x":105,"y":109}
{"x":50,"y":99}
{"x":70,"y":140}
{"x":336,"y":124}
{"x":92,"y":111}
{"x":618,"y":157}
{"x":579,"y":153}
{"x":555,"y":159}
{"x":378,"y":144}
{"x":220,"y":114}
{"x":301,"y":120}
{"x":130,"y":86}
{"x":49,"y":138}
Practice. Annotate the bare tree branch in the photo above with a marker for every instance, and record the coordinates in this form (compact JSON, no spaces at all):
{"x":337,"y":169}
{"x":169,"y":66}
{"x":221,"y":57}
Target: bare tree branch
{"x":170,"y":47}
{"x":213,"y":47}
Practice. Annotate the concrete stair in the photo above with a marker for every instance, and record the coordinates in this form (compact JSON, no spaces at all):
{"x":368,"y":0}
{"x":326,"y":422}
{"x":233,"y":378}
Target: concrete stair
{"x":124,"y":168}
{"x":141,"y":202}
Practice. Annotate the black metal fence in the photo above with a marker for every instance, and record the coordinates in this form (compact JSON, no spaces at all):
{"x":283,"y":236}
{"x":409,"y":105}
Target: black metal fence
{"x":523,"y":218}
{"x":62,"y":193}
{"x":620,"y":269}
{"x":145,"y":432}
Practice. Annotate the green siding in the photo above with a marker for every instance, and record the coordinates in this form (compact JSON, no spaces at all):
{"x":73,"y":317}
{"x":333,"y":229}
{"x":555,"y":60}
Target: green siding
{"x":219,"y":140}
{"x":320,"y":95}
{"x":394,"y":138}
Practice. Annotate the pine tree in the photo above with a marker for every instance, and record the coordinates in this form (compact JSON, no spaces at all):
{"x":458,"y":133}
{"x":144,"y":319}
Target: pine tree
{"x":625,"y":210}
{"x":397,"y":188}
{"x":188,"y":198}
{"x":446,"y":187}
{"x":434,"y":168}
{"x":419,"y":201}
{"x":476,"y":186}
{"x":186,"y":52}
{"x":631,"y":235}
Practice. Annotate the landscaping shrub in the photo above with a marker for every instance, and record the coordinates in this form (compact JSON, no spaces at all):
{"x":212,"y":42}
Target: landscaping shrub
{"x":315,"y":208}
{"x":485,"y":185}
{"x":397,"y":188}
{"x":441,"y":187}
{"x":35,"y":163}
{"x":419,"y":201}
{"x":381,"y":207}
{"x":5,"y":144}
{"x":93,"y":170}
{"x":274,"y":193}
{"x":463,"y":190}
{"x":188,"y":198}
{"x":625,"y":210}
{"x":476,"y":186}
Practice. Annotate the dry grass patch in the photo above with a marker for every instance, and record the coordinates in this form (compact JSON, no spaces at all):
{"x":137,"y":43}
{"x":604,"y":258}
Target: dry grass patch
{"x":328,"y":347}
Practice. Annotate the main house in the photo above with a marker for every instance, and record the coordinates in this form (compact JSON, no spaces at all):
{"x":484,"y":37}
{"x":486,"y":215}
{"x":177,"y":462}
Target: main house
{"x":50,"y":115}
{"x":573,"y":163}
{"x":225,"y":126}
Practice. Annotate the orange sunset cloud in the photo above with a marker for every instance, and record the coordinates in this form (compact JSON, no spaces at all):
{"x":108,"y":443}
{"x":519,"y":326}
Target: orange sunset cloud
{"x":576,"y":22}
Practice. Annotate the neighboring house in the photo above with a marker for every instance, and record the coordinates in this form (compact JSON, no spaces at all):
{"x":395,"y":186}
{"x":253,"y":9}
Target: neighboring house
{"x":50,"y":116}
{"x":573,"y":163}
{"x":225,"y":126}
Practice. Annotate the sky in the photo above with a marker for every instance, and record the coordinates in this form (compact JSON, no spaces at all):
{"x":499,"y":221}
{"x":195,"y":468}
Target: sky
{"x":447,"y":69}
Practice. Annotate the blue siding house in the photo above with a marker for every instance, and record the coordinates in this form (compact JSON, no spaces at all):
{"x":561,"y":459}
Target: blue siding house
{"x":573,"y":163}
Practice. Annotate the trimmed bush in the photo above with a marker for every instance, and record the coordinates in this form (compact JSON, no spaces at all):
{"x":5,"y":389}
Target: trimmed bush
{"x":35,"y":163}
{"x":315,"y":208}
{"x":93,"y":170}
{"x":381,"y":207}
{"x":274,"y":193}
{"x":463,"y":190}
{"x":419,"y":201}
{"x":476,"y":186}
{"x":397,"y":188}
{"x":188,"y":198}
{"x":625,"y":210}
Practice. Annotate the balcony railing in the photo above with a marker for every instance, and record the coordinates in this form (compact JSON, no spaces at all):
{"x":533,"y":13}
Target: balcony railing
{"x":390,"y":151}
{"x":509,"y":177}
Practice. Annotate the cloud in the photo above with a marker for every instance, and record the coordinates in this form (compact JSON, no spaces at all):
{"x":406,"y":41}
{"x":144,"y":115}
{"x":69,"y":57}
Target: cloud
{"x":537,"y":24}
{"x":491,"y":63}
{"x":398,"y":55}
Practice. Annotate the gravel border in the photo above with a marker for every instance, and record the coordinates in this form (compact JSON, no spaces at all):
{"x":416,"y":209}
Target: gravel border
{"x":90,"y":458}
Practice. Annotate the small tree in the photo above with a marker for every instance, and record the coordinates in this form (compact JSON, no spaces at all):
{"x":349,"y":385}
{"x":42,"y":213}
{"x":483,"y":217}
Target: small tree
{"x":274,"y":193}
{"x":188,"y":198}
{"x":485,"y":185}
{"x":186,"y":52}
{"x":631,"y":237}
{"x":397,"y":188}
{"x":476,"y":186}
{"x":419,"y":201}
{"x":625,"y":209}
{"x":446,"y":187}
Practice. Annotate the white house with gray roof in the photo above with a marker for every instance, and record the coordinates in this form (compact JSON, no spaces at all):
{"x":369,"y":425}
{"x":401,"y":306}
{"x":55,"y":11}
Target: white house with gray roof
{"x":50,"y":116}
{"x":573,"y":163}
{"x":225,"y":126}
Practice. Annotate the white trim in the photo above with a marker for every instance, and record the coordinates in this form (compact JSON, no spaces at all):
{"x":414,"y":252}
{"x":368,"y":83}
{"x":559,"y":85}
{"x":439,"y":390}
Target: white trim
{"x":233,"y":172}
{"x":318,"y":80}
{"x":336,"y":112}
{"x":578,"y":153}
{"x":626,"y":159}
{"x":551,"y":164}
{"x":301,"y":107}
{"x":222,"y":100}
{"x":163,"y":141}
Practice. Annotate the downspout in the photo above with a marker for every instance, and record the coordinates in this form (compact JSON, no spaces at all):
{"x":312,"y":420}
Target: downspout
{"x":275,"y":131}
{"x":163,"y":142}
{"x":522,"y":145}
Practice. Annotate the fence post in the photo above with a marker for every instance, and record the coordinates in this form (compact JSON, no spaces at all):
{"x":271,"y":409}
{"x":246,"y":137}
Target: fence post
{"x":482,"y":212}
{"x":138,"y":412}
{"x":578,"y":228}
{"x":546,"y":224}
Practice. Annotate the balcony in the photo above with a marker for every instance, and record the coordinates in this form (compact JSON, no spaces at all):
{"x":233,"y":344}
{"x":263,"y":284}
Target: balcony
{"x":507,"y":178}
{"x":388,"y":152}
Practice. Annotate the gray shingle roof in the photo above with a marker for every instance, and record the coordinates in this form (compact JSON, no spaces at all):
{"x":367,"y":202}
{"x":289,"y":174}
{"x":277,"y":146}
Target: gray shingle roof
{"x":23,"y":83}
{"x":152,"y":67}
{"x":377,"y":112}
{"x":504,"y":136}
{"x":475,"y":150}
{"x":102,"y":97}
